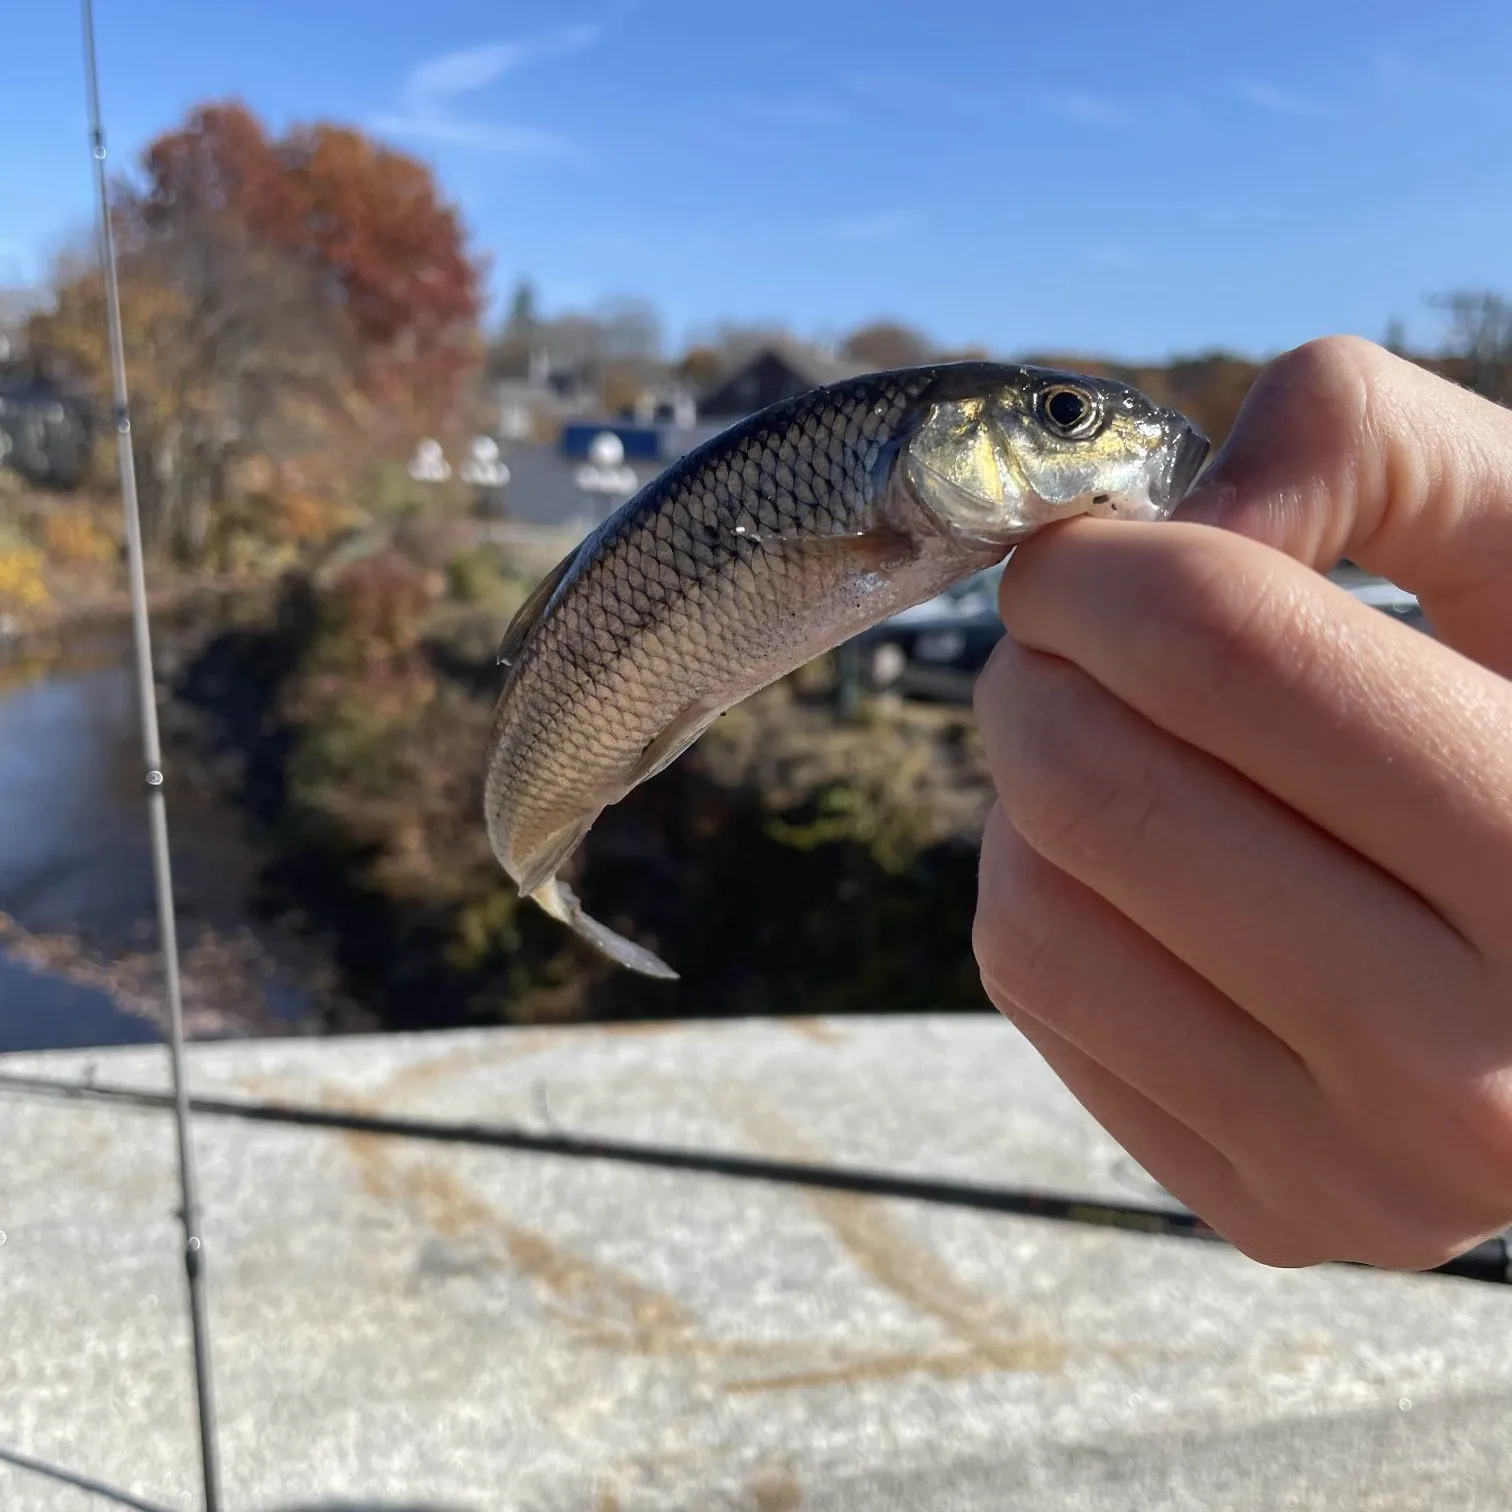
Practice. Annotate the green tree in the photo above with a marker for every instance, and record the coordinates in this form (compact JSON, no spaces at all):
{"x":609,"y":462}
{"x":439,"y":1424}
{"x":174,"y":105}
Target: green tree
{"x":1480,"y":337}
{"x":523,"y":313}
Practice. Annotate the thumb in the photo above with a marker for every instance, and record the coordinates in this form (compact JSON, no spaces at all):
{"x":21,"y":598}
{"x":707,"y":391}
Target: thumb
{"x":1343,"y":450}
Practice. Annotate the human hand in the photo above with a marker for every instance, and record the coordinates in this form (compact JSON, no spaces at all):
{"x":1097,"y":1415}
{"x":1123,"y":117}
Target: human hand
{"x":1248,"y":884}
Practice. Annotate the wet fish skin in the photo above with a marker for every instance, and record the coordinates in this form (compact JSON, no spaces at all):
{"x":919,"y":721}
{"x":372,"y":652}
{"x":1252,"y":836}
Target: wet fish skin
{"x":777,"y":540}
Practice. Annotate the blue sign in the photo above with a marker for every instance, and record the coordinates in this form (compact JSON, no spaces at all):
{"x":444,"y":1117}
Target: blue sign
{"x":642,"y":443}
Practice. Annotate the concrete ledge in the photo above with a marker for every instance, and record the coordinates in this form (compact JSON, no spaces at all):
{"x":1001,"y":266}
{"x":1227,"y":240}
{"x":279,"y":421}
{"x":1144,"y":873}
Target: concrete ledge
{"x":400,"y":1325}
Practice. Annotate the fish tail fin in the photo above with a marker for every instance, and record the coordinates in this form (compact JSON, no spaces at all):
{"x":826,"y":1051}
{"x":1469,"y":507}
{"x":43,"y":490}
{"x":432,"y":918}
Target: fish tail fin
{"x":561,"y":903}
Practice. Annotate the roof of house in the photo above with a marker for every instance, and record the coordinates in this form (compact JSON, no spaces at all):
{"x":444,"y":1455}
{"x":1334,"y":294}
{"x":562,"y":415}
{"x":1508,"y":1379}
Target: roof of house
{"x":806,"y":367}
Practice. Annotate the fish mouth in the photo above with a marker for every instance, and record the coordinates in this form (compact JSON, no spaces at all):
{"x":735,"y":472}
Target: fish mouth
{"x":1186,"y":462}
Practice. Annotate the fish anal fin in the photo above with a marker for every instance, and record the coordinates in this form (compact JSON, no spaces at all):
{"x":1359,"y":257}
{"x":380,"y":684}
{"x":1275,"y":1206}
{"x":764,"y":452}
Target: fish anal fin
{"x":548,"y":858}
{"x":561,"y":903}
{"x":530,"y":612}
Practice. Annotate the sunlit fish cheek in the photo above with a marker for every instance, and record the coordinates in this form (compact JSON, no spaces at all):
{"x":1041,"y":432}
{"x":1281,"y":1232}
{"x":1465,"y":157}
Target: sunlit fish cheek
{"x":960,"y":472}
{"x":1117,"y":490}
{"x":963,"y":502}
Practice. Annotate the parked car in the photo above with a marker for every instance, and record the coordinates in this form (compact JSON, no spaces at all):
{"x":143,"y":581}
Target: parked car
{"x":936,"y":649}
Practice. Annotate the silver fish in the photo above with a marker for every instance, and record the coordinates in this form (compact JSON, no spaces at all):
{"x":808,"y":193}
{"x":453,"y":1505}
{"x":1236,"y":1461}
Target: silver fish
{"x":777,"y":540}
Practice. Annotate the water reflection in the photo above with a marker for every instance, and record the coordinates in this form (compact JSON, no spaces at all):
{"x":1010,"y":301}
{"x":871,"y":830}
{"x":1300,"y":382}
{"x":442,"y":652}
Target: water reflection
{"x":74,"y":858}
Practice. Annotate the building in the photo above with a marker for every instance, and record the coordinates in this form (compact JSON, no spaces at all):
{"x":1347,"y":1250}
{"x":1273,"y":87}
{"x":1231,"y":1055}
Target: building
{"x":777,"y":371}
{"x":45,"y":432}
{"x":595,"y":464}
{"x":593,"y":467}
{"x":668,"y":404}
{"x":534,"y":400}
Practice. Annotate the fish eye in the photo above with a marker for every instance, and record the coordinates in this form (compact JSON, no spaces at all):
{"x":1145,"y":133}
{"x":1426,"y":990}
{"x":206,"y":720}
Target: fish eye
{"x":1069,"y":412}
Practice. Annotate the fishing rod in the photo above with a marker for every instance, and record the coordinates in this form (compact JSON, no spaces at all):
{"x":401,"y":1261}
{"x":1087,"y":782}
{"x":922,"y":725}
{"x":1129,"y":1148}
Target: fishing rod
{"x":1490,"y":1261}
{"x":157,"y":809}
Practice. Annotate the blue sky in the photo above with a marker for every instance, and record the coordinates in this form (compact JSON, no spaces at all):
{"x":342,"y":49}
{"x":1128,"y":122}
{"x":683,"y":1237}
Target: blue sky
{"x":1130,"y":179}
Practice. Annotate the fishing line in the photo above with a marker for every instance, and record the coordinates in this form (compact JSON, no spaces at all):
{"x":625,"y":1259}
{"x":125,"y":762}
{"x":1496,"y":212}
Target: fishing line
{"x":1490,"y":1261}
{"x":84,"y":1483}
{"x":157,"y":811}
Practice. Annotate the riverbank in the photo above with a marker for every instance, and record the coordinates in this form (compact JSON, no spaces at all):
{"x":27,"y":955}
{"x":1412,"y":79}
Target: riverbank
{"x":78,"y":958}
{"x":791,"y":862}
{"x":325,"y":737}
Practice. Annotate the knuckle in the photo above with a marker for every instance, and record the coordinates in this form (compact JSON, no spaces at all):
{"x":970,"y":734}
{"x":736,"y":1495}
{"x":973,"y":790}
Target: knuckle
{"x":1310,"y":1216}
{"x":1014,"y":936}
{"x":1059,"y":786}
{"x":1282,"y":1251}
{"x":1410,"y":1251}
{"x":990,"y":692}
{"x":1357,"y":1207}
{"x":1322,"y":385}
{"x":1245,"y":1129}
{"x":1223,"y":623}
{"x":1261,"y":1237}
{"x":1398,"y":1249}
{"x":1474,"y":1118}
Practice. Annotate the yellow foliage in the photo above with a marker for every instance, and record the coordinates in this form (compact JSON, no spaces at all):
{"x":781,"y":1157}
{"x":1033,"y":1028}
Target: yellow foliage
{"x":306,"y":517}
{"x":73,"y":536}
{"x":155,"y":319}
{"x":21,"y":584}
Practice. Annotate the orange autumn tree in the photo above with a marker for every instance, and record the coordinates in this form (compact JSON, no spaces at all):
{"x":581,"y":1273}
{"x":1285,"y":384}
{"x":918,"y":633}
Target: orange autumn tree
{"x":297,"y":302}
{"x":369,"y":219}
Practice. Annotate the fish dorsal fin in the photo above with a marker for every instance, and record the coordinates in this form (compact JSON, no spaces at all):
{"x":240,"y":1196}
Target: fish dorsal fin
{"x":530,"y":612}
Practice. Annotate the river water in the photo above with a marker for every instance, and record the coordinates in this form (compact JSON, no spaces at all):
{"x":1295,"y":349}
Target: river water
{"x":76,"y":879}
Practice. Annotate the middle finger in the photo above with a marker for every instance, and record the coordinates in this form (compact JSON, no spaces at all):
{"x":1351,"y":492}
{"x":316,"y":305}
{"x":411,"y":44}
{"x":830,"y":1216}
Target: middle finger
{"x":1327,"y":951}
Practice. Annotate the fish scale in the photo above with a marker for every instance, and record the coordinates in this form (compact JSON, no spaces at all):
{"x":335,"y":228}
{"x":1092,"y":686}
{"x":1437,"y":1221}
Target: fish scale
{"x":775,"y":541}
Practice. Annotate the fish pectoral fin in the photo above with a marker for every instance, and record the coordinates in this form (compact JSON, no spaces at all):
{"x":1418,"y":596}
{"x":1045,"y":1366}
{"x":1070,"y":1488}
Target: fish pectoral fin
{"x":561,"y":903}
{"x":527,"y":615}
{"x":883,"y":548}
{"x":671,"y":743}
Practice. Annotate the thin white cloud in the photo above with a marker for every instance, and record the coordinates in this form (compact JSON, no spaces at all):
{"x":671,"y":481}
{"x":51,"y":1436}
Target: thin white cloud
{"x":433,"y":86}
{"x":1277,"y":101}
{"x":475,"y":68}
{"x":462,"y":72}
{"x":1086,"y":110}
{"x":523,"y":141}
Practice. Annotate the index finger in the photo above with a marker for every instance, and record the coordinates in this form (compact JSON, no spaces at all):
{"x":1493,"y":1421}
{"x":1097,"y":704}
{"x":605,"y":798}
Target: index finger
{"x":1379,"y":735}
{"x":1343,"y":450}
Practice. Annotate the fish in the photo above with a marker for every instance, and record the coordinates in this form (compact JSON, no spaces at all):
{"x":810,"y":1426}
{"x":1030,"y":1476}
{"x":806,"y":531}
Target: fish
{"x":774,"y":542}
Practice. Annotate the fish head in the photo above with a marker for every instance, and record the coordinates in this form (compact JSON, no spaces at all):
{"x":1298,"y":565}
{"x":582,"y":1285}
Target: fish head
{"x":1001,"y":451}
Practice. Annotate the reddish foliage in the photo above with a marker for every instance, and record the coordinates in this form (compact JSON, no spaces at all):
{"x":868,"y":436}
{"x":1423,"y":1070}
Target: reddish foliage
{"x":220,"y":165}
{"x":379,"y":603}
{"x":368,"y":219}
